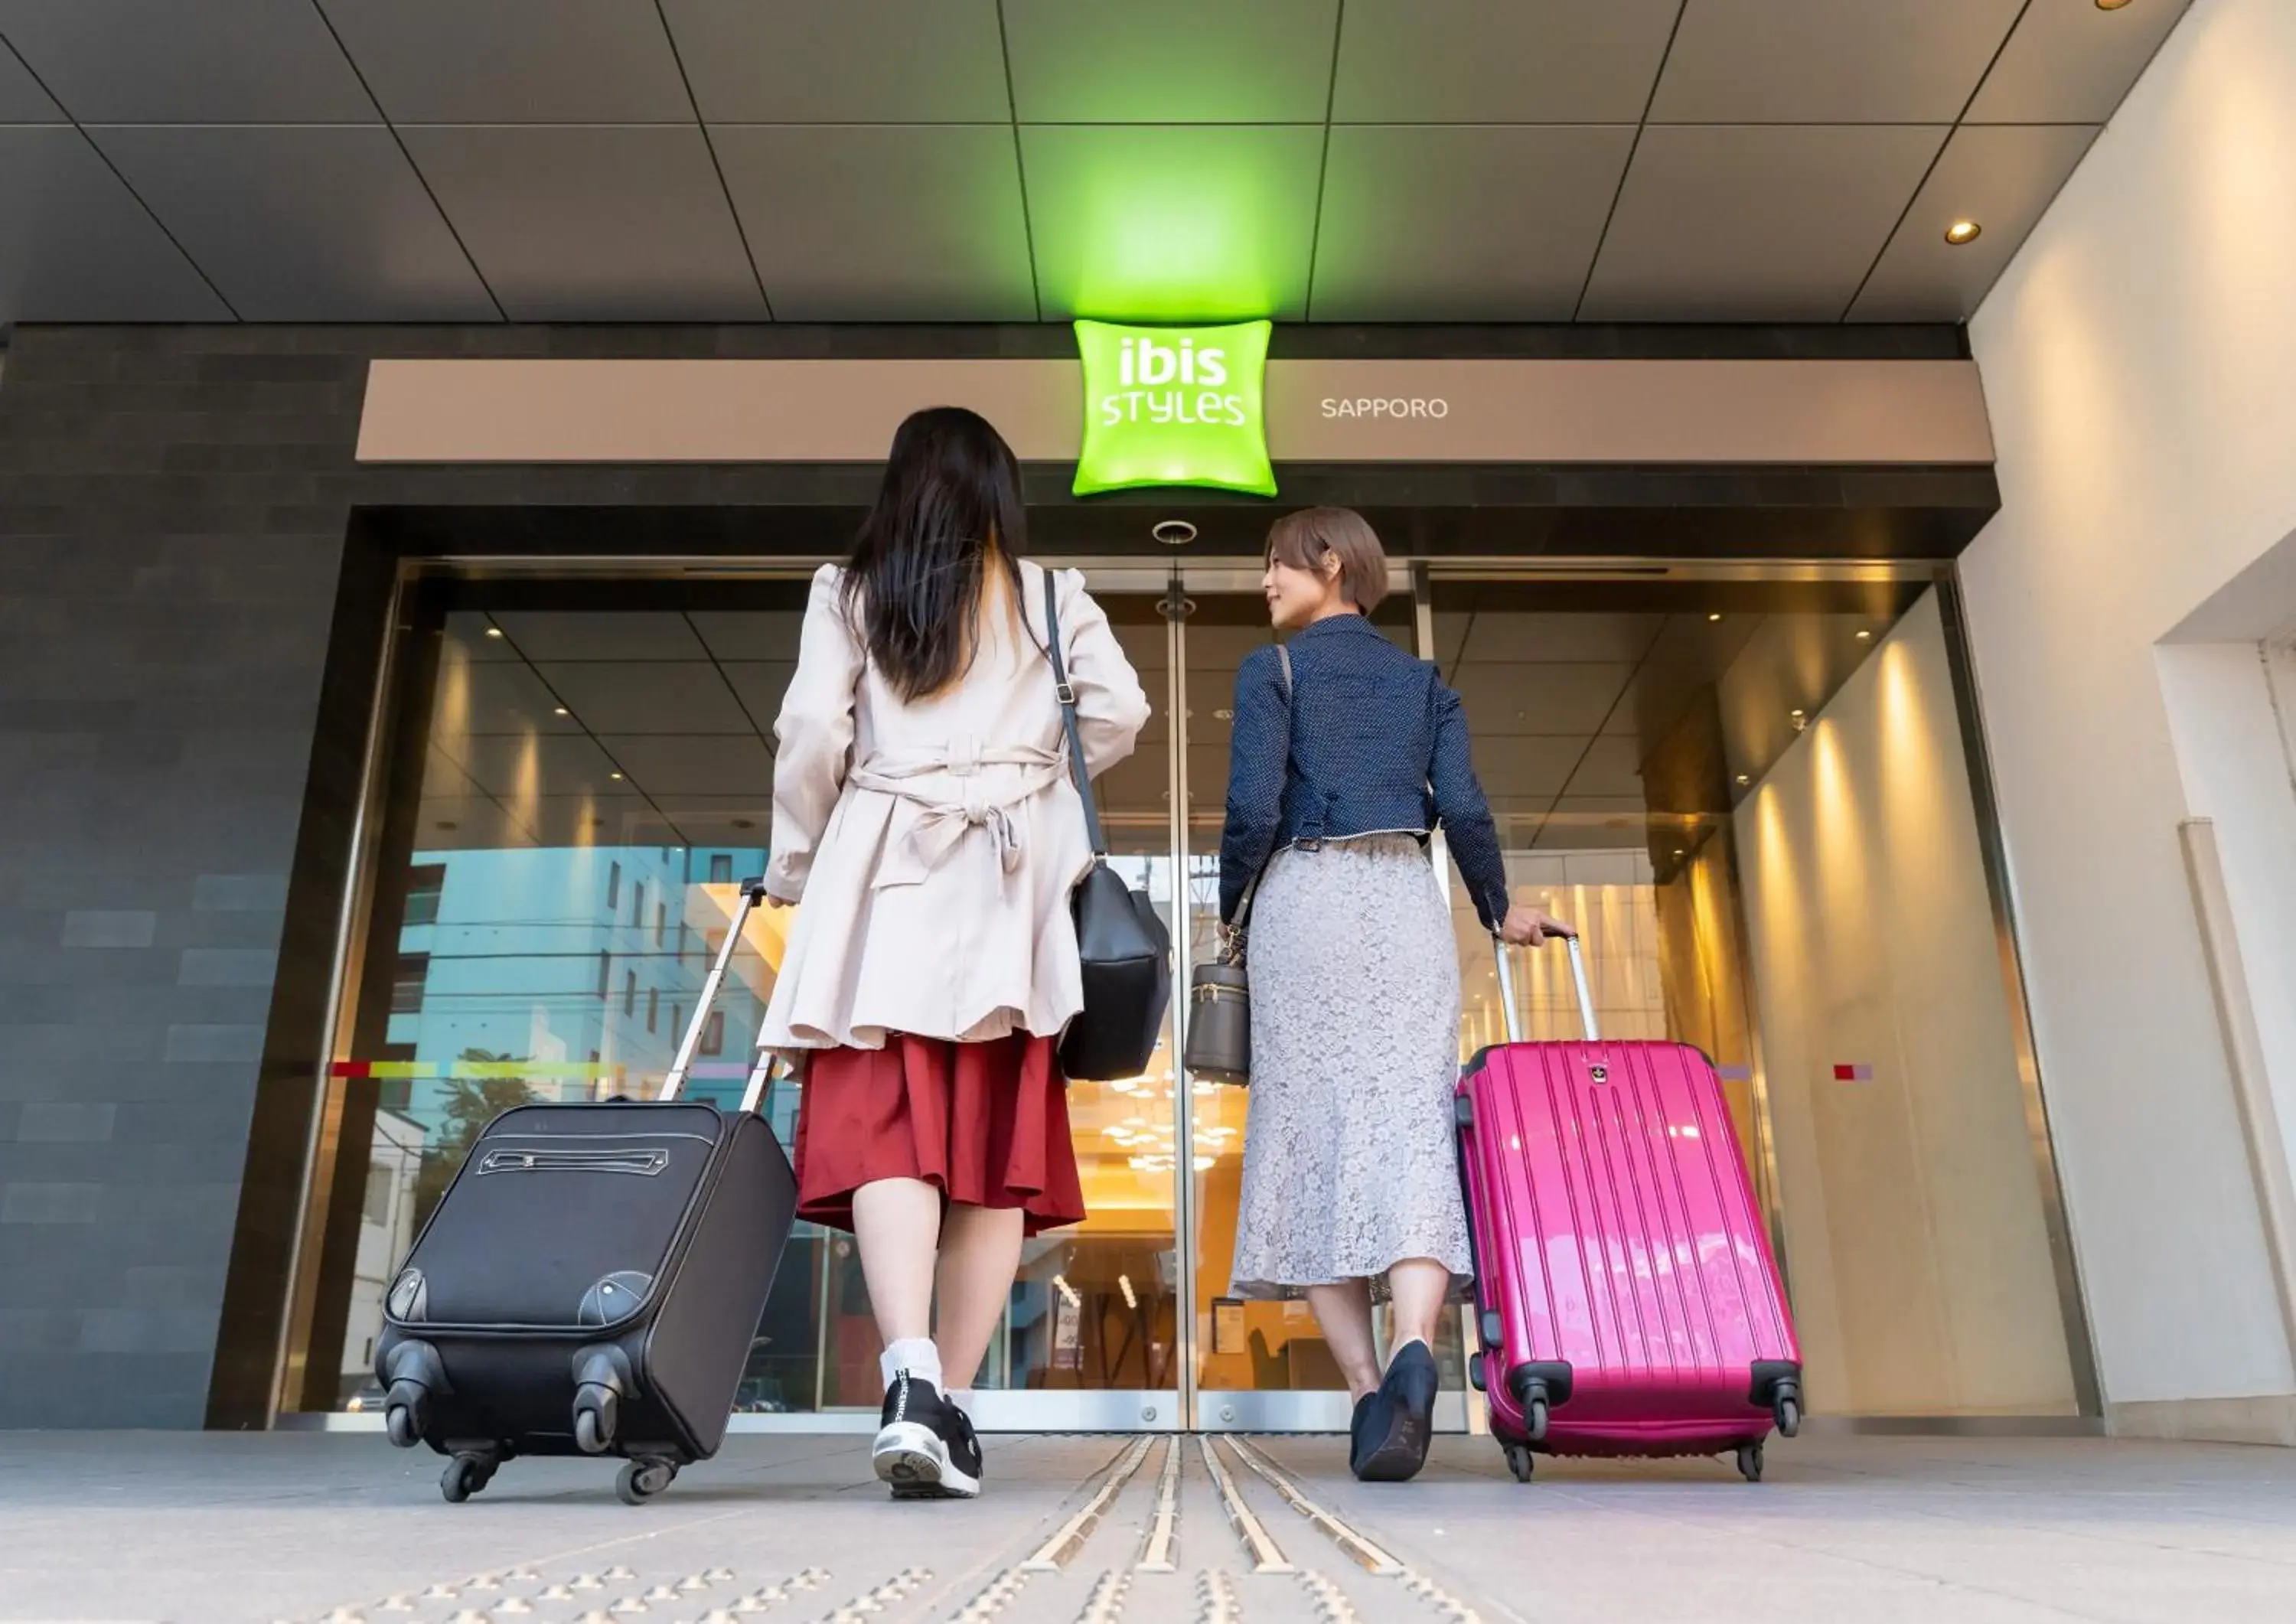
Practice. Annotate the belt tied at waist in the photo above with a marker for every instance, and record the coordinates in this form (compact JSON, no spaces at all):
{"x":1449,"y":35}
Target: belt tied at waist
{"x":944,"y":785}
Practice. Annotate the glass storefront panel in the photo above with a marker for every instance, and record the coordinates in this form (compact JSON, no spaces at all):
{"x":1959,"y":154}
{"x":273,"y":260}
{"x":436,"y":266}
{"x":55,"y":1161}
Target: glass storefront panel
{"x":1752,"y":797}
{"x":1755,"y":803}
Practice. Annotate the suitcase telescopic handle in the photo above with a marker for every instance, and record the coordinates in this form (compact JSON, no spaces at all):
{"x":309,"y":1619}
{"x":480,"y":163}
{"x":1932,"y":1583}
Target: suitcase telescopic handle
{"x":753,"y":891}
{"x":1577,"y":977}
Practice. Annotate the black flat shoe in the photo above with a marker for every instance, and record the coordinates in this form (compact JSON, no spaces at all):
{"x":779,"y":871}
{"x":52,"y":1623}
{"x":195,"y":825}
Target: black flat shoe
{"x":1395,"y":1425}
{"x":1368,"y":1424}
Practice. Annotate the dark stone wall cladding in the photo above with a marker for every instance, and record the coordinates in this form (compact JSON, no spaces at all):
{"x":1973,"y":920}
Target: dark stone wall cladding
{"x":174,"y":508}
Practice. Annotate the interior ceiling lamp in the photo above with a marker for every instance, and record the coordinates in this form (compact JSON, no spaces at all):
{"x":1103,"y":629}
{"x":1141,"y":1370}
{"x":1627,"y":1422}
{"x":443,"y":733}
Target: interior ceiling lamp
{"x":1963,"y":232}
{"x":2111,"y":5}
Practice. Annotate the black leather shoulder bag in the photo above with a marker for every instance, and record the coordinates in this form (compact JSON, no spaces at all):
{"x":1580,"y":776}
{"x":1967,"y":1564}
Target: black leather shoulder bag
{"x":1124,"y":948}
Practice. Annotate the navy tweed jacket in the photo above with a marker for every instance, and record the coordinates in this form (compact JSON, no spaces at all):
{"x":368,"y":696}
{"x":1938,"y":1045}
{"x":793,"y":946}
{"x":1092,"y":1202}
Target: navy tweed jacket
{"x":1377,"y":744}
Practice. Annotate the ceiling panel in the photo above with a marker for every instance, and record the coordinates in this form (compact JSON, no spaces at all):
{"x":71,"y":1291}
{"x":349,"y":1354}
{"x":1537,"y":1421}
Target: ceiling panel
{"x":603,"y":223}
{"x":514,"y":62}
{"x":1506,"y":701}
{"x":751,"y":634}
{"x":685,"y":764}
{"x":1529,"y":767}
{"x":2070,"y":63}
{"x":510,"y":766}
{"x":1612,"y":766}
{"x":308,"y":223}
{"x":1508,"y":234}
{"x":759,"y":685}
{"x":628,"y":696}
{"x":78,"y":247}
{"x":1528,"y":62}
{"x":1172,"y":224}
{"x":1491,"y":632}
{"x":187,"y":62}
{"x":21,"y":99}
{"x":883,"y":222}
{"x":1754,"y":223}
{"x":868,"y":62}
{"x":736,"y":821}
{"x":2001,"y":176}
{"x":1181,"y":61}
{"x":545,"y":635}
{"x":494,"y":696}
{"x":1829,"y":61}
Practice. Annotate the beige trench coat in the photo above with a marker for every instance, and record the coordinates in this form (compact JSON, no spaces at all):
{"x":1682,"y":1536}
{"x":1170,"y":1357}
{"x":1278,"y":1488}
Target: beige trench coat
{"x":934,"y":845}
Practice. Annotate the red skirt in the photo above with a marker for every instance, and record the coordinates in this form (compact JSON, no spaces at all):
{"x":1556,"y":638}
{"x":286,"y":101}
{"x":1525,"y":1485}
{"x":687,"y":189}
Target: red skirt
{"x":987,"y":1124}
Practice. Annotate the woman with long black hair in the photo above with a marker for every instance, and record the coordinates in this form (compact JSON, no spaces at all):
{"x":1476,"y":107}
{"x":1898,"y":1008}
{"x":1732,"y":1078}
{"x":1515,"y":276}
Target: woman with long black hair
{"x":924,"y":814}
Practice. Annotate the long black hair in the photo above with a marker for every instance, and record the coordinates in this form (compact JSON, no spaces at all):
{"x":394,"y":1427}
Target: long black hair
{"x":949,"y":505}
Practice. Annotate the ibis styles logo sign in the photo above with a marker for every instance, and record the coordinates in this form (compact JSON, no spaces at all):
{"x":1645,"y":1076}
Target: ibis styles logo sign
{"x":1174,"y":406}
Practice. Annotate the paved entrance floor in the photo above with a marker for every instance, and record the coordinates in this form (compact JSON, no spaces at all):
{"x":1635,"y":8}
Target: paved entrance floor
{"x":199,"y":1528}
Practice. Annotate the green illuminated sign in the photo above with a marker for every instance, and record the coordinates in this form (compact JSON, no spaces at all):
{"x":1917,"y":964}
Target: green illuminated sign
{"x":1174,"y":406}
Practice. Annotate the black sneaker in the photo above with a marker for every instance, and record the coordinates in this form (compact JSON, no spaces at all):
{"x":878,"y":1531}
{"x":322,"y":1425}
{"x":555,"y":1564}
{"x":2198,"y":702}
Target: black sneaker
{"x":1395,"y":1425}
{"x":926,"y":1448}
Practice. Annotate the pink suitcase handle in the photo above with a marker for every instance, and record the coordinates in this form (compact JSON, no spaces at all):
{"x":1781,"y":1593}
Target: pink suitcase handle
{"x":1578,"y":976}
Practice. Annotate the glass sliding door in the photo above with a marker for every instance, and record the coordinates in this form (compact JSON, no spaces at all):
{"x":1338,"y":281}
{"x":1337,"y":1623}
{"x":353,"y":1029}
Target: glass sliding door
{"x":1748,"y":791}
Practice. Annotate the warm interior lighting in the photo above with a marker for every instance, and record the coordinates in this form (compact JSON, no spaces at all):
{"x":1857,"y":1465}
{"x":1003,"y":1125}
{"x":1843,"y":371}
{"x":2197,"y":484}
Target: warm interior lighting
{"x":561,"y":710}
{"x":618,"y":776}
{"x":1864,"y":636}
{"x":1717,"y":615}
{"x":1068,"y":1292}
{"x":1963,"y":231}
{"x":1124,"y":1285}
{"x":493,"y":631}
{"x":1743,"y":779}
{"x":2111,"y":5}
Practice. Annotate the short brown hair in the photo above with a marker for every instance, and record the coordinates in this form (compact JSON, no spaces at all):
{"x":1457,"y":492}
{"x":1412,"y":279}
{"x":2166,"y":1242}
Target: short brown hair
{"x":1304,"y":539}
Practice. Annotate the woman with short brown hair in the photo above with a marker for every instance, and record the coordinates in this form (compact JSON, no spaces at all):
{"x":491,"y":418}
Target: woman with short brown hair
{"x":1346,"y":755}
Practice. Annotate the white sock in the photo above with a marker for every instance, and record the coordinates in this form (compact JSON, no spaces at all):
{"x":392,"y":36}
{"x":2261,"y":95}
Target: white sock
{"x":960,"y":1397}
{"x":914,"y":1354}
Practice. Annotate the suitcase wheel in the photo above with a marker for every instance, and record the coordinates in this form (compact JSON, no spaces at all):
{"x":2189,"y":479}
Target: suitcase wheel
{"x":1534,"y":1417}
{"x":1520,"y":1461}
{"x":1750,"y":1461}
{"x":403,"y":1423}
{"x":466,"y":1475}
{"x":594,"y":1428}
{"x":1787,"y":1413}
{"x":642,"y":1479}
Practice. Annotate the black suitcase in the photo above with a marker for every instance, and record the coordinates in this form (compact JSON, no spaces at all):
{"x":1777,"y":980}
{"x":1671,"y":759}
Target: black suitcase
{"x":592,"y":1281}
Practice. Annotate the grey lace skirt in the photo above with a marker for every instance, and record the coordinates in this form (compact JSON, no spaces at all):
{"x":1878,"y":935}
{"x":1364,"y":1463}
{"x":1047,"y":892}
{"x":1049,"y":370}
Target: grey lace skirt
{"x":1348,"y":1164}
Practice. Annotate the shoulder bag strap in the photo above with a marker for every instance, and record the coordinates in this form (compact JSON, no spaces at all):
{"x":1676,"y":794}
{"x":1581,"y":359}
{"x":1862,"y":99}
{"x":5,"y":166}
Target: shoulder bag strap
{"x":1067,"y":697}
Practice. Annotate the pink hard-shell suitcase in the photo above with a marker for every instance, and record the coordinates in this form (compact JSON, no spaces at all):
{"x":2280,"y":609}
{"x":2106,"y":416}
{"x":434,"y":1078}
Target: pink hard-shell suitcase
{"x":1626,"y":1298}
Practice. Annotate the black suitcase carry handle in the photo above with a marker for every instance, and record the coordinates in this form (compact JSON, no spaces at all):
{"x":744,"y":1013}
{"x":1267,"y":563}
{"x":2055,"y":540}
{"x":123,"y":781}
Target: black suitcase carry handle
{"x":762,"y":1073}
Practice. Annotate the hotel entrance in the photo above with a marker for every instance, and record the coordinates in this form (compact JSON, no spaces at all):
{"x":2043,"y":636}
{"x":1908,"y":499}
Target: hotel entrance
{"x":1753,"y":787}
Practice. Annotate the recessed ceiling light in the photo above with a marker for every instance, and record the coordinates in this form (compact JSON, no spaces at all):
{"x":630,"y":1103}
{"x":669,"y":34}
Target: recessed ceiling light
{"x":561,"y":710}
{"x":1963,"y":232}
{"x":1678,"y":851}
{"x":618,"y":775}
{"x":1711,"y":619}
{"x":1864,"y":636}
{"x":493,"y":631}
{"x":1789,"y":713}
{"x":1743,"y":778}
{"x":2111,"y":5}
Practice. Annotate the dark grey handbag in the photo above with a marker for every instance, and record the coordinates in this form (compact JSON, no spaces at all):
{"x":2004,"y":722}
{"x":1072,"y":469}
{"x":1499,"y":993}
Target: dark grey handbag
{"x":1219,"y":994}
{"x":1124,"y":950}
